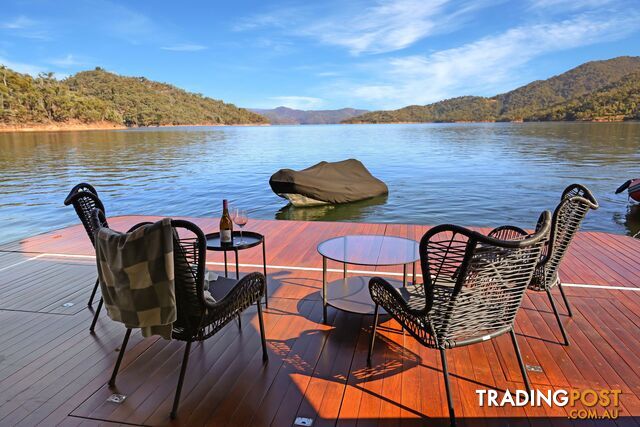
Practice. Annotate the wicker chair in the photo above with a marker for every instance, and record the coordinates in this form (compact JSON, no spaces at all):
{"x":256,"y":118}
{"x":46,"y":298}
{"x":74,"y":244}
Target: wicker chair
{"x":473,"y":288}
{"x":199,"y":318}
{"x":575,"y":202}
{"x":84,"y":199}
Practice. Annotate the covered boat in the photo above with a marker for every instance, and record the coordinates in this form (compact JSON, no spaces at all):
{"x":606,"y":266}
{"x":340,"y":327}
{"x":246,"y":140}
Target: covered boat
{"x":327,"y":183}
{"x":633,"y":188}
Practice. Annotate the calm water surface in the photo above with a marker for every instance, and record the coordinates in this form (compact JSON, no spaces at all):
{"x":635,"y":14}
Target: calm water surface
{"x":470,"y":174}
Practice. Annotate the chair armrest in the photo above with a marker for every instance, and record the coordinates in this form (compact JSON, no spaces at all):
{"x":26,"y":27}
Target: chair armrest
{"x":508,"y":232}
{"x":138,"y":225}
{"x":384,"y":294}
{"x":247,"y":291}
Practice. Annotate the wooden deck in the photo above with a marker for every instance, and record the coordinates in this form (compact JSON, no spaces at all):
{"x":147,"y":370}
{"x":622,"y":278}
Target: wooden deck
{"x":52,"y":371}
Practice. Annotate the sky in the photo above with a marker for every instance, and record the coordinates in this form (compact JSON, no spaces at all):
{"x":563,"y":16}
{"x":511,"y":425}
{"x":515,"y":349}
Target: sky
{"x":320,"y":54}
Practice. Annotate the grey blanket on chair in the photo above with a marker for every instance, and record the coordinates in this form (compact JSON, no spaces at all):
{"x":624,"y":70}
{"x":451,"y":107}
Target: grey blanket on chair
{"x":136,"y":272}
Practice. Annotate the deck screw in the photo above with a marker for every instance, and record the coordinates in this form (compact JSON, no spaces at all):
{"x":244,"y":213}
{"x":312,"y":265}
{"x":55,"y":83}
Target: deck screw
{"x":116,"y":398}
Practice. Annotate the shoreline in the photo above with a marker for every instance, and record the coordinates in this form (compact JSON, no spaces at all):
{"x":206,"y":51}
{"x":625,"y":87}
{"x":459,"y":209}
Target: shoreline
{"x":70,"y":127}
{"x":59,"y":127}
{"x":599,"y":120}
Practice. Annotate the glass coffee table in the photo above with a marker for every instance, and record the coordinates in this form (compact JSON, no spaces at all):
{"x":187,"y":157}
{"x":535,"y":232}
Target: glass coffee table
{"x":352,"y":293}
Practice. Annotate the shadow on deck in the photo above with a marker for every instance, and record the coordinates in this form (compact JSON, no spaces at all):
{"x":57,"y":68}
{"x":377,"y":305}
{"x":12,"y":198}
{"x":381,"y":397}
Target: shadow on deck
{"x":52,"y":371}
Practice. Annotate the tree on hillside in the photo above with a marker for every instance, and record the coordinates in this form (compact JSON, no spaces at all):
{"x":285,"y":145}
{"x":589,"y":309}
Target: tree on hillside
{"x":98,"y":95}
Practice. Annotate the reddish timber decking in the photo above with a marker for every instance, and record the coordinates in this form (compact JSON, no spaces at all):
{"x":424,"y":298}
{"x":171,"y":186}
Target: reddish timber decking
{"x":52,"y":371}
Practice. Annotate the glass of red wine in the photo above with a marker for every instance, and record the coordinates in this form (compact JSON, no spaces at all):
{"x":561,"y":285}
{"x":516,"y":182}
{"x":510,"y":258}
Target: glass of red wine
{"x":240,"y":218}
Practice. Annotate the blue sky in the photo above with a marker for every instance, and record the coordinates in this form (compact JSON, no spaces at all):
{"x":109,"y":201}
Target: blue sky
{"x":320,"y":54}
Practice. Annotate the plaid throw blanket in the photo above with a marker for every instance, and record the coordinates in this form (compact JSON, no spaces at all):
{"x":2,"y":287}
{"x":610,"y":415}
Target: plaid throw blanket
{"x":136,"y":273}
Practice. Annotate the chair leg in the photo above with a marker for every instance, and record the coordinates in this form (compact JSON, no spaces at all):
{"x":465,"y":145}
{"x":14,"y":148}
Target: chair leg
{"x":183,"y":369}
{"x":445,"y":373}
{"x":523,"y":368}
{"x":123,"y":347}
{"x":96,"y":315}
{"x":555,"y":311}
{"x":373,"y":334}
{"x":265,"y":355}
{"x":93,"y":294}
{"x":566,"y":301}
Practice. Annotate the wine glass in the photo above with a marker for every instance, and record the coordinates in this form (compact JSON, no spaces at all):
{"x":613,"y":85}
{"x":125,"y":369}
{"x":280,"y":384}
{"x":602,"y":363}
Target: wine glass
{"x":240,"y":218}
{"x":233,"y":211}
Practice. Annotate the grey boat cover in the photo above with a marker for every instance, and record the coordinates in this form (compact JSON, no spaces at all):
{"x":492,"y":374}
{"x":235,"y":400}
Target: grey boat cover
{"x":337,"y":182}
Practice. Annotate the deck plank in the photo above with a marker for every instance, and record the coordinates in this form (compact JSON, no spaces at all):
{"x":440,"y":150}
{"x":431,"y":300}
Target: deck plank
{"x":52,"y":371}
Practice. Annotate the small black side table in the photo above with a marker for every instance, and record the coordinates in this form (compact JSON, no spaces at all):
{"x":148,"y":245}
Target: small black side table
{"x":251,"y":239}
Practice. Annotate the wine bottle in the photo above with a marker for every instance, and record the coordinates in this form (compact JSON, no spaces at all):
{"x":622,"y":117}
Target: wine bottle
{"x":226,"y":225}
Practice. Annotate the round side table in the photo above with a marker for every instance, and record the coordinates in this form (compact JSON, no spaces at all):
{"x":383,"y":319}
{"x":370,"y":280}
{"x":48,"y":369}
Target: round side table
{"x":250,"y":240}
{"x":352,"y":293}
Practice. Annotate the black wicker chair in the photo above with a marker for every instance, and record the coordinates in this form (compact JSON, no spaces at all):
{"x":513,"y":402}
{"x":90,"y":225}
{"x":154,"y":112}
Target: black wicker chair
{"x":575,"y":202}
{"x":198,"y":318}
{"x":473,"y":288}
{"x":84,"y":199}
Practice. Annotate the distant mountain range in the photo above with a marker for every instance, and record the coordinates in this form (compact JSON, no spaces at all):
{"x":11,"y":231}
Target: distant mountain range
{"x":597,"y":91}
{"x":99,"y":96}
{"x":289,"y":116}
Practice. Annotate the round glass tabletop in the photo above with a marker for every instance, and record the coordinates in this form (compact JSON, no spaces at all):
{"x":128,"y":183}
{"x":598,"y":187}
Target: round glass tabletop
{"x":366,"y":249}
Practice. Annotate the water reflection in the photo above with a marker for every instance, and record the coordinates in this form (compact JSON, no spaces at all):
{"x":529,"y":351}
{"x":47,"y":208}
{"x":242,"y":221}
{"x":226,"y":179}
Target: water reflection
{"x":355,"y":211}
{"x":470,"y":174}
{"x":630,"y":220}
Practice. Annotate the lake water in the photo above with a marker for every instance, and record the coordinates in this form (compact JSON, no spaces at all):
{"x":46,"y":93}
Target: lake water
{"x":469,"y":174}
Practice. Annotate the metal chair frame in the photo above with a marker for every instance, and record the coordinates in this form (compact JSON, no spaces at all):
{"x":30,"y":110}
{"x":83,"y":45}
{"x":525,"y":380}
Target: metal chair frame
{"x":473,"y":288}
{"x":198,"y":318}
{"x":84,"y":198}
{"x":575,"y":203}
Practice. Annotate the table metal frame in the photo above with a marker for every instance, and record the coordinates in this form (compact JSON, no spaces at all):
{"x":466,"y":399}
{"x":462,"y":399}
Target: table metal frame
{"x":236,"y":248}
{"x":345,"y":272}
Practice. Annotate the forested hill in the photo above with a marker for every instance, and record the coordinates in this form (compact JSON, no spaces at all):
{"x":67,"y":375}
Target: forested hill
{"x":598,"y":90}
{"x":462,"y":109}
{"x":618,"y":101}
{"x":99,"y":96}
{"x":290,"y":116}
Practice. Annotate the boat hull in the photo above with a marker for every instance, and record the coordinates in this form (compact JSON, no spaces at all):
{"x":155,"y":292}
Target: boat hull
{"x":634,"y":190}
{"x":300,"y":201}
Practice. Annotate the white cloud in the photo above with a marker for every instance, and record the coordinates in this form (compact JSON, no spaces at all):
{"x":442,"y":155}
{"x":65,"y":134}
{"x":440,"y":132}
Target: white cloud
{"x":20,"y":67}
{"x":380,"y":28}
{"x":184,"y":47}
{"x":297,"y":102}
{"x":25,"y":27}
{"x":266,"y":20}
{"x":66,"y":61}
{"x":563,"y":5}
{"x":18,"y":23}
{"x":383,"y":26}
{"x":487,"y":66}
{"x":125,"y":23}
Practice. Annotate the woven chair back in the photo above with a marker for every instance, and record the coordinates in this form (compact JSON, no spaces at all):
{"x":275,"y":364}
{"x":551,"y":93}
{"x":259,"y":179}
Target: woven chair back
{"x":474,"y":284}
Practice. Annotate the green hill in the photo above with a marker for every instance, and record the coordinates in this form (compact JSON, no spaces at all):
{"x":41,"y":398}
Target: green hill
{"x":24,"y":99}
{"x":100,"y":96}
{"x":462,"y":109}
{"x":533,"y":101}
{"x":617,"y":101}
